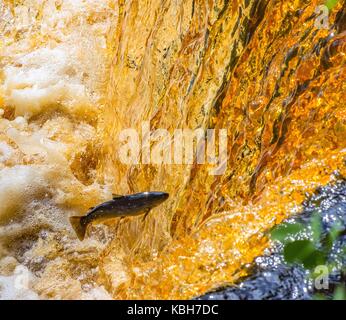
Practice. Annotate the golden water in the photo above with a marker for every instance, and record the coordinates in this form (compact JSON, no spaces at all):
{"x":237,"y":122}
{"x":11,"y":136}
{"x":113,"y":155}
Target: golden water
{"x":260,"y":69}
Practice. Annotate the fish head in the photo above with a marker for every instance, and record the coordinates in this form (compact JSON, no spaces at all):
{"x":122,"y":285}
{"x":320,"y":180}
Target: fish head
{"x":151,"y":200}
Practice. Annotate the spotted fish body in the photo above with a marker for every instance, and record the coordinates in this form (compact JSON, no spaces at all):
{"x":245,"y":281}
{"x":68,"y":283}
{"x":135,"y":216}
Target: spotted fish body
{"x":118,"y":207}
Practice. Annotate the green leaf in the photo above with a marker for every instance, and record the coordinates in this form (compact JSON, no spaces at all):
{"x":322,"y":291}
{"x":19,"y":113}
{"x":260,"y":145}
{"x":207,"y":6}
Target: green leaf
{"x":340,"y":293}
{"x":331,"y":4}
{"x":285,"y":230}
{"x":317,"y":258}
{"x":316,"y":227}
{"x":319,"y":296}
{"x":298,"y":250}
{"x":336,"y":231}
{"x":331,"y":237}
{"x":303,"y":252}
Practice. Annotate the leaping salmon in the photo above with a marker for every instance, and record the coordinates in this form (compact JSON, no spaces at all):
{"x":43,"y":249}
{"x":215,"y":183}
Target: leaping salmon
{"x":119,"y":207}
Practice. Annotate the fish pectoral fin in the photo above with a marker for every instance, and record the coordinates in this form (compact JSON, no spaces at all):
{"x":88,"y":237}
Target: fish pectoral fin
{"x":146,"y":215}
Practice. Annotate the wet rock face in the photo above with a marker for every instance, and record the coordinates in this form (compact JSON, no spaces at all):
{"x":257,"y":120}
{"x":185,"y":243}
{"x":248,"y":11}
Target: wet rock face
{"x":273,"y":279}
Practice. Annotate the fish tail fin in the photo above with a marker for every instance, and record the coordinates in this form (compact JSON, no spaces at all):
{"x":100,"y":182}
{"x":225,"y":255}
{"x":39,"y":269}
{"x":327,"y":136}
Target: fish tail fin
{"x":78,"y":227}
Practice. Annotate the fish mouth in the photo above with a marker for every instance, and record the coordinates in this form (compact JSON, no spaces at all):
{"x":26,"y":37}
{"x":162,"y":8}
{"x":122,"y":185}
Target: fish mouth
{"x":161,"y":195}
{"x":156,"y":197}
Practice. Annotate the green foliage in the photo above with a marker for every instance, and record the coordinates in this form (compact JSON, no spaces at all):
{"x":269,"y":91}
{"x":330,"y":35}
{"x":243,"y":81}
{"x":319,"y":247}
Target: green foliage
{"x":304,"y":252}
{"x":309,"y":247}
{"x":331,"y":4}
{"x":340,"y":293}
{"x":328,"y":241}
{"x":286,"y":230}
{"x":316,"y":227}
{"x":313,"y":249}
{"x":319,"y":296}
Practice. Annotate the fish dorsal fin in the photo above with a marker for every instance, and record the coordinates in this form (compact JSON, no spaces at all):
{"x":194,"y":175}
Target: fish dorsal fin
{"x":91,"y":208}
{"x":116,"y":196}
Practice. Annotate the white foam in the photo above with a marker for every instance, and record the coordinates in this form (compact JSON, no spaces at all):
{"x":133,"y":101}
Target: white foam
{"x":64,"y":72}
{"x":5,"y":151}
{"x":45,"y":78}
{"x":18,"y":186}
{"x":37,"y":143}
{"x":58,"y":63}
{"x":17,"y":286}
{"x":98,"y":293}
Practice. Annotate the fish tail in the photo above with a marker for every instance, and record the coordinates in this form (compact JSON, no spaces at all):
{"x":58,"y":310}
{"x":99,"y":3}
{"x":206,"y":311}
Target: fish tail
{"x":78,"y":227}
